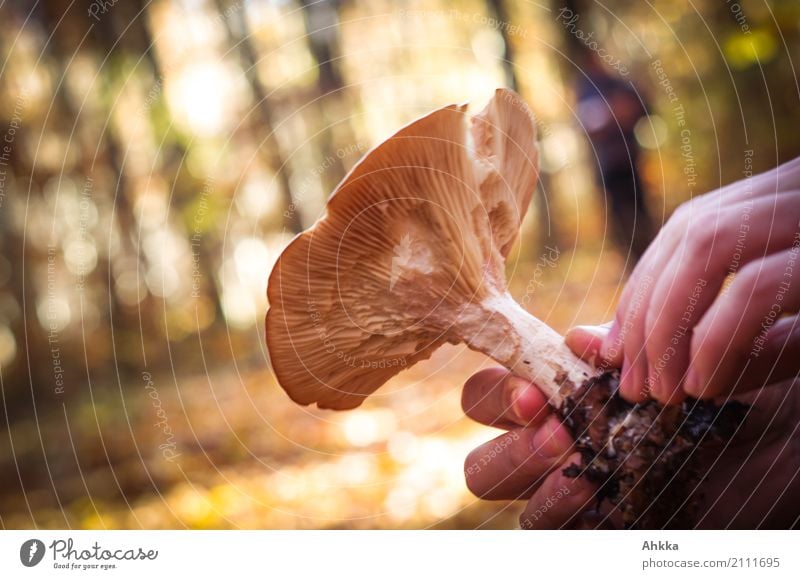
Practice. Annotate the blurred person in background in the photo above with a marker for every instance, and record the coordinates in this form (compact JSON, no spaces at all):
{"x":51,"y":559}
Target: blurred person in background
{"x":608,"y":109}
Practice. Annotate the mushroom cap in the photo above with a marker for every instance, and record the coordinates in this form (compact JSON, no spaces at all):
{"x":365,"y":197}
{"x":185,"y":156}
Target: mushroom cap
{"x":418,"y":229}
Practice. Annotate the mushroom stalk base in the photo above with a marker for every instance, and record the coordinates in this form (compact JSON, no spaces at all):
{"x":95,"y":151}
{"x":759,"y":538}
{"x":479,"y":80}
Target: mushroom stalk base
{"x":642,"y":456}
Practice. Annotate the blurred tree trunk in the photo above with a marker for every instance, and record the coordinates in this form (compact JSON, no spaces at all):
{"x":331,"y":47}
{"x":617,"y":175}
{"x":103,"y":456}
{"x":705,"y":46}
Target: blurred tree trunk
{"x":145,"y":43}
{"x":499,"y":11}
{"x":238,"y":32}
{"x":111,"y":38}
{"x":547,"y":232}
{"x":332,"y":103}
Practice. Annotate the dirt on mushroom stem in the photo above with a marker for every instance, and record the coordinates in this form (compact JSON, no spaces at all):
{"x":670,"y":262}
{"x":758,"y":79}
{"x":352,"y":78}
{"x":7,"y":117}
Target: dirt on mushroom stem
{"x":642,"y":456}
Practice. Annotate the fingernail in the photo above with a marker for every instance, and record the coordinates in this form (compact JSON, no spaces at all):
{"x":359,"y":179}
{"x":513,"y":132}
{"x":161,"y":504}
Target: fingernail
{"x":520,"y":399}
{"x":610,"y":349}
{"x":597,"y":331}
{"x":551,"y":440}
{"x":691,"y":385}
{"x":585,"y":341}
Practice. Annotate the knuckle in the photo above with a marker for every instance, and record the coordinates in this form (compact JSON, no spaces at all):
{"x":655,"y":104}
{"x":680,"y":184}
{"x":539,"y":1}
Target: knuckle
{"x":654,"y":338}
{"x":753,"y":284}
{"x":681,"y":217}
{"x":700,"y":241}
{"x":747,"y":278}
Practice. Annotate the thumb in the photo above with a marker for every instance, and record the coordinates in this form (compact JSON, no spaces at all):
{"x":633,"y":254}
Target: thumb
{"x":586,"y":341}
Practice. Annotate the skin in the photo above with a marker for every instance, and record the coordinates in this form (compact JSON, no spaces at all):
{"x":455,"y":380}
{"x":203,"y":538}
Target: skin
{"x":752,"y":482}
{"x":675,"y":334}
{"x":750,"y":227}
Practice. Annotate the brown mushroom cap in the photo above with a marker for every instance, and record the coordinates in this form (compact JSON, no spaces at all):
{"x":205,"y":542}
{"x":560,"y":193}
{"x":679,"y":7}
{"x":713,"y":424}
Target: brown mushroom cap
{"x":418,"y":229}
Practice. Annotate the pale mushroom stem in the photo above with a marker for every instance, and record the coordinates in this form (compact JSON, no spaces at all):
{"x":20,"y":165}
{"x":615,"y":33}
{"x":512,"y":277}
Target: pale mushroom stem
{"x":503,"y":330}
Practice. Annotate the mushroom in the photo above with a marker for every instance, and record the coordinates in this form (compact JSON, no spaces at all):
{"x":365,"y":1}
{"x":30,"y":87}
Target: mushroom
{"x":411,"y":255}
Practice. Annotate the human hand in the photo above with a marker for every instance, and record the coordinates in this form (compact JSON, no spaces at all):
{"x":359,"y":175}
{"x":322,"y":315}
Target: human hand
{"x":526,"y":462}
{"x":674,"y":332}
{"x":750,"y":482}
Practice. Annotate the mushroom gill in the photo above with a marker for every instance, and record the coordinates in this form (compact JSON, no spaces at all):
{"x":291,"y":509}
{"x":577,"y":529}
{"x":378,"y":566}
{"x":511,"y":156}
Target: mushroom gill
{"x":417,"y":231}
{"x":411,"y":254}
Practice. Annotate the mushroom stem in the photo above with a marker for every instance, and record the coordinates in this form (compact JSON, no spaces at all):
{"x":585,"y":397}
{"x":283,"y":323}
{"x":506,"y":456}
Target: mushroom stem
{"x":503,"y":330}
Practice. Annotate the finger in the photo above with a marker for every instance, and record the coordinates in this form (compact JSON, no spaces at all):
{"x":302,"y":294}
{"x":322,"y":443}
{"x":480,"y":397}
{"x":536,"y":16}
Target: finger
{"x":611,"y":349}
{"x":512,"y":465}
{"x":733,"y":332}
{"x":657,"y":253}
{"x":496,"y":397}
{"x":783,"y":178}
{"x":559,"y":500}
{"x":778,"y":360}
{"x":688,"y":286}
{"x":614,"y":343}
{"x":586,"y":341}
{"x":634,"y":363}
{"x":629,"y":338}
